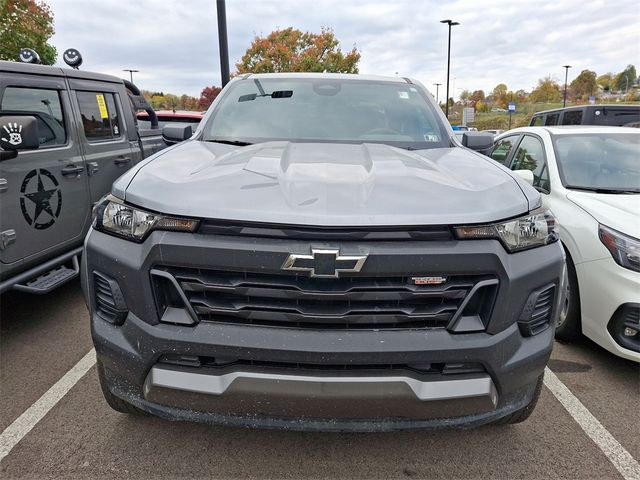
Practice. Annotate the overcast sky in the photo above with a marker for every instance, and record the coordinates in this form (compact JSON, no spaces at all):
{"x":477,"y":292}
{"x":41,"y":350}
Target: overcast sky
{"x":174,"y":43}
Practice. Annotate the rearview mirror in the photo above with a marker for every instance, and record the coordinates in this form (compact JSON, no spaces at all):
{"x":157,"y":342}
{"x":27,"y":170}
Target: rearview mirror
{"x":173,"y":134}
{"x":18,"y":132}
{"x":526,"y":175}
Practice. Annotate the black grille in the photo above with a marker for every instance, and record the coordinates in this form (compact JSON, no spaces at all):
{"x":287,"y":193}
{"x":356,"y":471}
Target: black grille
{"x":633,"y":317}
{"x":110,"y":304}
{"x":297,"y":232}
{"x":537,"y":313}
{"x":234,"y":364}
{"x":300,"y":301}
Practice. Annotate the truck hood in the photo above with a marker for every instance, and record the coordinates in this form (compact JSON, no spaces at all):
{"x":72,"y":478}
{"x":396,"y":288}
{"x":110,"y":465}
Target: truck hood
{"x":325,"y":184}
{"x":619,"y":212}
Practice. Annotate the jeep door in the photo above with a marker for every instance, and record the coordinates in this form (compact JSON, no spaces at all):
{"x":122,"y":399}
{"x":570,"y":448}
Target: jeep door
{"x":44,"y":193}
{"x":104,"y":142}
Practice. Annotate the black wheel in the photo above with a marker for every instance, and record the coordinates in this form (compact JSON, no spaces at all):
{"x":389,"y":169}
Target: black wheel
{"x":525,"y":412}
{"x":569,"y":325}
{"x":114,"y":402}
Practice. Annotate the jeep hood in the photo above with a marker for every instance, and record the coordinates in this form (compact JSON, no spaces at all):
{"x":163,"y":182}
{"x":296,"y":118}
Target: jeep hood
{"x":619,"y":212}
{"x":325,"y":184}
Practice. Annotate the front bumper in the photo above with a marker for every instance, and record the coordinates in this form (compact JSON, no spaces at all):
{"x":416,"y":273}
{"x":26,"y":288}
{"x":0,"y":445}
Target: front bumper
{"x":605,"y":287}
{"x":314,"y":378}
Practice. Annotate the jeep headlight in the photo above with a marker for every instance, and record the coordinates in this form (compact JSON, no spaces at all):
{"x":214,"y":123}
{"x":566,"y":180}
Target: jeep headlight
{"x":624,"y":249}
{"x":114,"y":217}
{"x":536,"y":229}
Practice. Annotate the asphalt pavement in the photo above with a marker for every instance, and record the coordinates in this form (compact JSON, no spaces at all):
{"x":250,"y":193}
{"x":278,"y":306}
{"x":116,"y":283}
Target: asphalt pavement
{"x":43,"y":338}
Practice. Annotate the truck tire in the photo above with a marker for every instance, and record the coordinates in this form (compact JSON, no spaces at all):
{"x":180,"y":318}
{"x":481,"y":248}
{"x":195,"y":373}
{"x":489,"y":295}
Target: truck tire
{"x":568,"y":327}
{"x":521,"y":415}
{"x":113,"y":401}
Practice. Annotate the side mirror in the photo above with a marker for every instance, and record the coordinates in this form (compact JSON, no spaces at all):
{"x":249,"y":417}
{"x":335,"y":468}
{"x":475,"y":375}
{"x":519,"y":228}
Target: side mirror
{"x":18,"y":133}
{"x":478,"y":141}
{"x":173,"y":134}
{"x":8,"y":154}
{"x":526,"y":175}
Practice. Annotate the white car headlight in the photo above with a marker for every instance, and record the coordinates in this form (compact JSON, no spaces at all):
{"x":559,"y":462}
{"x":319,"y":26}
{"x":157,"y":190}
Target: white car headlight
{"x":624,"y":249}
{"x":114,"y":217}
{"x":536,"y":229}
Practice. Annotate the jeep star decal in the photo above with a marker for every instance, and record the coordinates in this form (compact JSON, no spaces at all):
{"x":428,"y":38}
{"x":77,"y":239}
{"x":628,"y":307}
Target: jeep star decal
{"x":41,"y":199}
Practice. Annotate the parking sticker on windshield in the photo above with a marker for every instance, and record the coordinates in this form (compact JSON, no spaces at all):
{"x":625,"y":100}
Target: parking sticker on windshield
{"x":102,"y":106}
{"x":404,"y":95}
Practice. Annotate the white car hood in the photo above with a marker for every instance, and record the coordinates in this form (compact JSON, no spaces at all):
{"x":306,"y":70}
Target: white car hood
{"x":620,"y":212}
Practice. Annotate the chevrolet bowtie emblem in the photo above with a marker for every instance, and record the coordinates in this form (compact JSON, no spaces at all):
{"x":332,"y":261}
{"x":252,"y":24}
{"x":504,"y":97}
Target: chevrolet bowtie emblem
{"x":324,"y":263}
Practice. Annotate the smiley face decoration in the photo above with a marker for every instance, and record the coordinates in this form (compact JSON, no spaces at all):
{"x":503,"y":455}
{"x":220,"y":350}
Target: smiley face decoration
{"x":72,"y":58}
{"x":28,"y":55}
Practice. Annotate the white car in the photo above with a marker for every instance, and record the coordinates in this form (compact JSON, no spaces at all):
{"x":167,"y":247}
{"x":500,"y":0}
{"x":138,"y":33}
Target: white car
{"x":590,"y":179}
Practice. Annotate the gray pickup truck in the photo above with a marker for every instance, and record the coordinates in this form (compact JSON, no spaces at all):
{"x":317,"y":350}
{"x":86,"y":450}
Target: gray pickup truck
{"x":86,"y":137}
{"x":323,"y":254}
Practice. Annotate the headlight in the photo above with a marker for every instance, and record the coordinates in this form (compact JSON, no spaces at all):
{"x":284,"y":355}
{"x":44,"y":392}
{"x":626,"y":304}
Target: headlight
{"x":533,"y":230}
{"x":113,"y":216}
{"x":624,"y":249}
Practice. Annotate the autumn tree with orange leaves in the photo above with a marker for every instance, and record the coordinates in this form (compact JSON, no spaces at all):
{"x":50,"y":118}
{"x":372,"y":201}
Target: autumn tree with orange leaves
{"x":26,"y":23}
{"x":290,"y":50}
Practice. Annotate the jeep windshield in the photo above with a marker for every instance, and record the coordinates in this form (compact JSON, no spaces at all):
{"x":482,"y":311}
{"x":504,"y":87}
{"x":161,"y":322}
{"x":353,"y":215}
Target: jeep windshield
{"x":326,"y":110}
{"x":601,"y":163}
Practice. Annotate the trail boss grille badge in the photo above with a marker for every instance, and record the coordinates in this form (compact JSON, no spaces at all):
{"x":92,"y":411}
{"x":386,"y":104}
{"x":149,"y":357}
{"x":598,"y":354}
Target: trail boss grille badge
{"x":324,"y":263}
{"x":428,"y":280}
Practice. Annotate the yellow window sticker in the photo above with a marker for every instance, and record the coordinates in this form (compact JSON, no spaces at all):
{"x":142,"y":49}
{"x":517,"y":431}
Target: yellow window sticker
{"x":102,"y":106}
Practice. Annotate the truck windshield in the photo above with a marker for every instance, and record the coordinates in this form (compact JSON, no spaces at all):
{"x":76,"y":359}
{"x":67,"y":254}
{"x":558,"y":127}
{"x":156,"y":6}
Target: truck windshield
{"x":603,"y":163}
{"x":326,"y":110}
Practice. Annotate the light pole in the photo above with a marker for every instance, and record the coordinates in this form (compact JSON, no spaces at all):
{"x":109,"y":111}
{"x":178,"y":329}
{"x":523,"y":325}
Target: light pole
{"x":566,"y":75}
{"x":451,"y":24}
{"x":437,"y":85}
{"x":222,"y":41}
{"x":626,"y":84}
{"x":130,"y":72}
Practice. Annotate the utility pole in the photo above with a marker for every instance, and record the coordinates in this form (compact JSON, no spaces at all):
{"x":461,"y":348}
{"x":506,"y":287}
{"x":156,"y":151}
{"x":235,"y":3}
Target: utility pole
{"x":130,"y":73}
{"x":566,"y":75}
{"x":222,"y":41}
{"x":451,"y":24}
{"x":437,"y":92}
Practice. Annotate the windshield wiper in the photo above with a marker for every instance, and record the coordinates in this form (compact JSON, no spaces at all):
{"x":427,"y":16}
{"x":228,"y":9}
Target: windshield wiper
{"x":237,"y":143}
{"x":605,"y":190}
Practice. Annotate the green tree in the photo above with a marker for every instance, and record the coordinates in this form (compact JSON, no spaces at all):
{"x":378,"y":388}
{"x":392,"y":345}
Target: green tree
{"x":481,"y":106}
{"x":290,"y":50}
{"x":547,"y":91}
{"x":188,"y":102}
{"x":477,"y":96}
{"x":26,"y":24}
{"x":584,"y":84}
{"x":626,"y":78}
{"x":605,"y":81}
{"x":499,"y":95}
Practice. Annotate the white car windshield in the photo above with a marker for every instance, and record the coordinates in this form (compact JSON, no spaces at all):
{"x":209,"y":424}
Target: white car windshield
{"x":600,"y":162}
{"x":326,"y":110}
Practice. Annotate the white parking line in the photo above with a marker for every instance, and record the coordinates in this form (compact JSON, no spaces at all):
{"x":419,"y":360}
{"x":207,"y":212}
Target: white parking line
{"x":32,"y":415}
{"x":616,"y":453}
